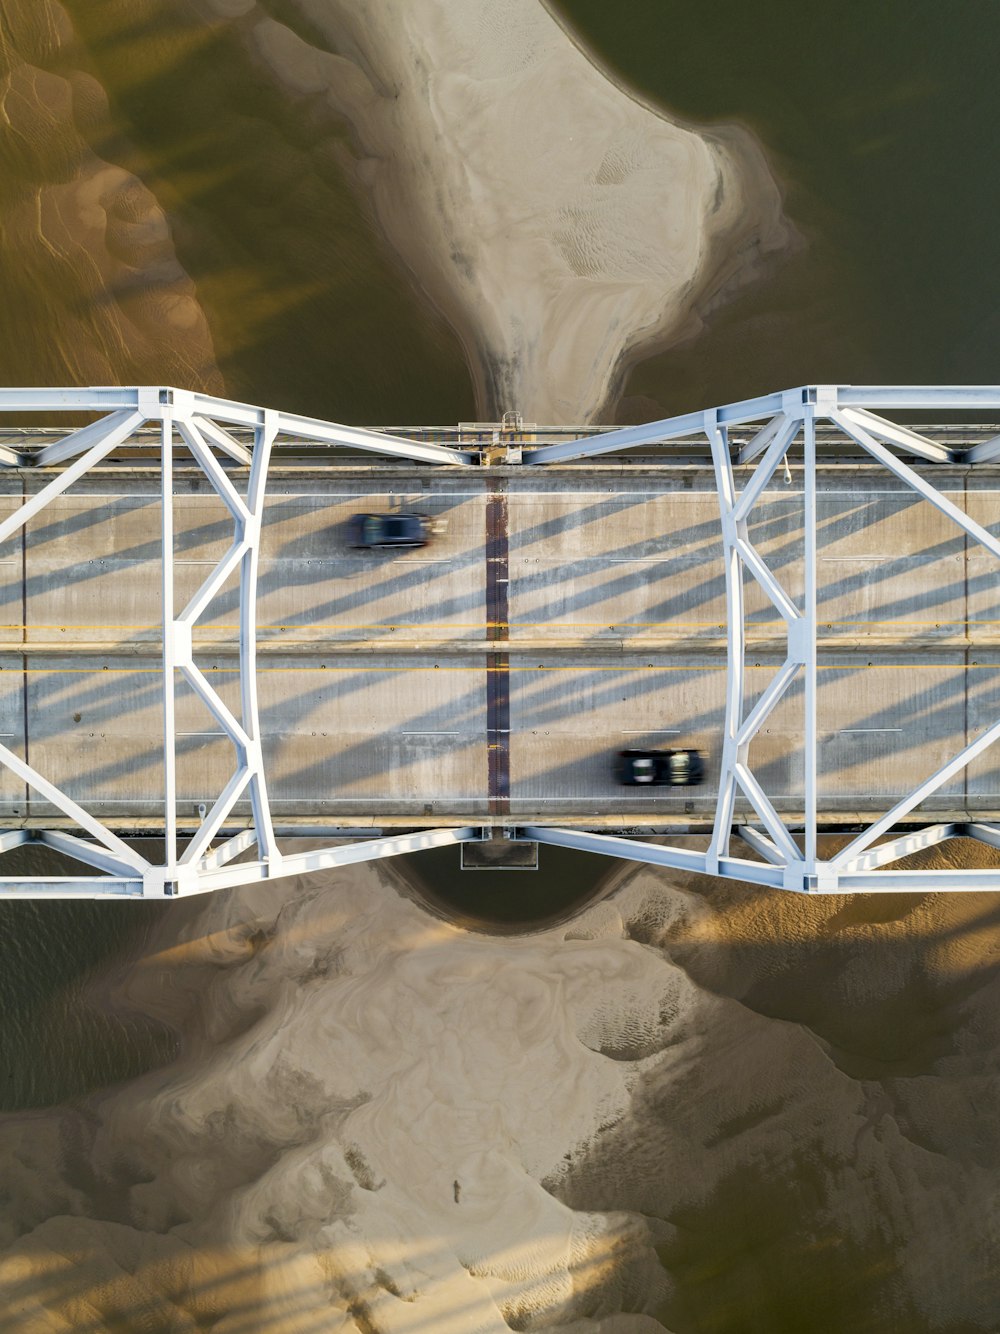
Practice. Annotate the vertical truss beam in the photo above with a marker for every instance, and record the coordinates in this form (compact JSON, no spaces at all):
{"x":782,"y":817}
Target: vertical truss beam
{"x":169,"y":682}
{"x":741,"y":557}
{"x":264,"y":437}
{"x":87,"y":446}
{"x":732,"y":748}
{"x":244,"y":732}
{"x":807,"y":643}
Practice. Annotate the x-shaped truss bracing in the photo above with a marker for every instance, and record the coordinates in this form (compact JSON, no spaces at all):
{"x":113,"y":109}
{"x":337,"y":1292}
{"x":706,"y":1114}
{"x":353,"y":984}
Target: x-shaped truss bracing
{"x":758,"y":432}
{"x":201,"y":424}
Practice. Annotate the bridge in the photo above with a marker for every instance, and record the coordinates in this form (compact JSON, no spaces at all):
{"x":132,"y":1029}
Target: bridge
{"x":802,"y":585}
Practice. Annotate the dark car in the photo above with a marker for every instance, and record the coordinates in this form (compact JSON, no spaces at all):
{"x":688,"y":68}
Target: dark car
{"x":662,"y":768}
{"x":390,"y":530}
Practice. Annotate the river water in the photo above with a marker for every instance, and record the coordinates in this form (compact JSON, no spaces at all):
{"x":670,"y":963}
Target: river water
{"x":61,"y":1038}
{"x":881,"y":121}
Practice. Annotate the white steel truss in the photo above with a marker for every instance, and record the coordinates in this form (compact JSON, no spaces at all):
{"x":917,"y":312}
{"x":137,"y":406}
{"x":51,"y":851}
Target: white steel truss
{"x":757,"y":433}
{"x":200,"y":423}
{"x":761,"y":431}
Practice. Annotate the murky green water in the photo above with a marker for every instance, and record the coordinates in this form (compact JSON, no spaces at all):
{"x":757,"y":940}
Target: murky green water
{"x":60,"y":1034}
{"x":502,"y":901}
{"x":881,"y":121}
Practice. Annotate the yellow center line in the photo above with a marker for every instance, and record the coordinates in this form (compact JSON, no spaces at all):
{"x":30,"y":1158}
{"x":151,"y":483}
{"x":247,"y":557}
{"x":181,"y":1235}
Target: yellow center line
{"x":493,"y":625}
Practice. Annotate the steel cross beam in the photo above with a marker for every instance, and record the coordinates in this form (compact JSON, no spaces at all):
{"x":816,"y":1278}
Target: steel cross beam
{"x":758,"y":433}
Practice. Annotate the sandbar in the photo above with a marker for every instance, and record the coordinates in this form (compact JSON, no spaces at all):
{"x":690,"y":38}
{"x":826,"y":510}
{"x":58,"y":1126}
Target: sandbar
{"x":558,"y":222}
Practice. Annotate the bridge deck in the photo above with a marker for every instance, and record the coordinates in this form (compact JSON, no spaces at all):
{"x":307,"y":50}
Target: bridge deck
{"x":564,"y":614}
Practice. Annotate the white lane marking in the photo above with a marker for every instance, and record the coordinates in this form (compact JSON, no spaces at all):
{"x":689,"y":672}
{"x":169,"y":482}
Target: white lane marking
{"x":523,"y":497}
{"x":380,"y":811}
{"x":654,"y":731}
{"x":610,"y":799}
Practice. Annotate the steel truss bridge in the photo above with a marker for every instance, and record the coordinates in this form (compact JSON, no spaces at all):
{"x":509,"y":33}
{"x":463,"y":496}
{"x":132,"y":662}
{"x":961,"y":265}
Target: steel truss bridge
{"x":750,"y":446}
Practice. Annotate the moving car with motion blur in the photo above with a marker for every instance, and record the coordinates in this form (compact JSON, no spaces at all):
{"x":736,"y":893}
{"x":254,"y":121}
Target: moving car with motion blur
{"x":402,"y":529}
{"x":661,"y":768}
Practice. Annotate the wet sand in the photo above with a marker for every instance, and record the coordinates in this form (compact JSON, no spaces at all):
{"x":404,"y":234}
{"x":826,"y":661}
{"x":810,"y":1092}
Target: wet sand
{"x":692,"y":1107}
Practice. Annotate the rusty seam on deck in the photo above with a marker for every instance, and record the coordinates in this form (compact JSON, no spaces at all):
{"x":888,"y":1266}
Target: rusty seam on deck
{"x":498,"y":663}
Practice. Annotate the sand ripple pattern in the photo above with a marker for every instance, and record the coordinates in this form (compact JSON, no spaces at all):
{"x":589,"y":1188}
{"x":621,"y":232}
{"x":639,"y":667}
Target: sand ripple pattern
{"x":93,"y":289}
{"x":692,"y":1107}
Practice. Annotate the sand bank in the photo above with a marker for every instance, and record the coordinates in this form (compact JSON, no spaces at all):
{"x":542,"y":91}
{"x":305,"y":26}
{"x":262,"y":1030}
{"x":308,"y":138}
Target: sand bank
{"x":692,"y":1107}
{"x":557,"y":222}
{"x":359,"y":1131}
